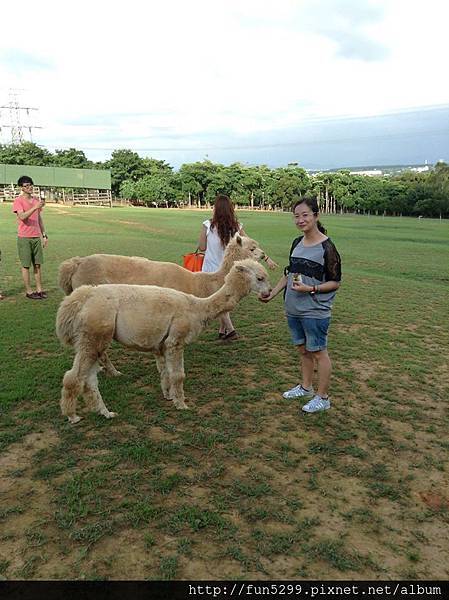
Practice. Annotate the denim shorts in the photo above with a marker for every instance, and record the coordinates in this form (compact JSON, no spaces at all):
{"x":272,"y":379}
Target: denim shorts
{"x":308,"y":331}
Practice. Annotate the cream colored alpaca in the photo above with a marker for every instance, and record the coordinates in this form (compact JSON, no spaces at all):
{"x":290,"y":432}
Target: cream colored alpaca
{"x":145,"y":318}
{"x":111,"y":268}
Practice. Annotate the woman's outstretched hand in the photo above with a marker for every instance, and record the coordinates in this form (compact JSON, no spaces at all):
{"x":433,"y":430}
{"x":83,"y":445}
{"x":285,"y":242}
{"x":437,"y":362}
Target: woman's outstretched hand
{"x":265,"y":297}
{"x":271,"y":264}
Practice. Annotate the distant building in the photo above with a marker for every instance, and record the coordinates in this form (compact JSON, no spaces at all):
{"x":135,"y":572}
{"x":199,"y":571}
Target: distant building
{"x":377,"y":170}
{"x":422,"y":169}
{"x":369,"y":173}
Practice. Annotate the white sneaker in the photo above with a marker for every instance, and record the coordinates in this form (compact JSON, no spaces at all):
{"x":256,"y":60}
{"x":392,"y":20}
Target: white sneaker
{"x":298,"y":392}
{"x":317,"y":404}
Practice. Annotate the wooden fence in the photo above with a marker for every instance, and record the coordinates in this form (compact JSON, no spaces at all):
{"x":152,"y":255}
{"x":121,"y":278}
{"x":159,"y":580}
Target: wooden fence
{"x":95,"y":197}
{"x":86,"y":197}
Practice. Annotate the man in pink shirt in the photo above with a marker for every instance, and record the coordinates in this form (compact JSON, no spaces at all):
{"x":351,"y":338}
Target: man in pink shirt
{"x":30,"y":229}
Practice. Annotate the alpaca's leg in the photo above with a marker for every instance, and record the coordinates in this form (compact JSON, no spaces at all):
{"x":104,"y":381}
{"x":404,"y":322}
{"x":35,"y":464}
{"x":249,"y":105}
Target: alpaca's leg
{"x":93,"y":395}
{"x":175,"y":367}
{"x":72,"y":387}
{"x":109,"y":368}
{"x":162,"y":368}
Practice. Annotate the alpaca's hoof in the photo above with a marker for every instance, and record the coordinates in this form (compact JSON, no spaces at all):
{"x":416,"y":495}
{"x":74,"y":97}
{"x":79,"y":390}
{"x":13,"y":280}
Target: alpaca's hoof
{"x":109,"y":415}
{"x":113,"y":373}
{"x":110,"y":371}
{"x":74,"y":420}
{"x":182,"y":406}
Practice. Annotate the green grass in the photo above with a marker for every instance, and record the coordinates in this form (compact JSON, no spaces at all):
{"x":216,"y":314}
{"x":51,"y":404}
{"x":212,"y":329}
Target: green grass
{"x":242,"y":485}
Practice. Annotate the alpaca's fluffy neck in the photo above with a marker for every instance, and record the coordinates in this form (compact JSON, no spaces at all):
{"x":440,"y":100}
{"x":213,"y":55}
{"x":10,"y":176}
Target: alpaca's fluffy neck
{"x":230,"y":256}
{"x":226,"y":298}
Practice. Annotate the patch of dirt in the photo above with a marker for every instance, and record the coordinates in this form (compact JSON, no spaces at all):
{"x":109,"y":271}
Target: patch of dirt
{"x":366,"y":370}
{"x":39,"y":352}
{"x":60,"y":211}
{"x":272,"y":446}
{"x":143,"y":227}
{"x":435,"y":501}
{"x":30,"y":496}
{"x":19,"y":454}
{"x":353,"y":328}
{"x":251,"y":380}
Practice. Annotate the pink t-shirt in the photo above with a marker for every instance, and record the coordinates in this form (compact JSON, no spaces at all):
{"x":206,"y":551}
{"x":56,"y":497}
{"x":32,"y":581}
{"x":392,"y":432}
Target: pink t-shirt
{"x":29,"y":227}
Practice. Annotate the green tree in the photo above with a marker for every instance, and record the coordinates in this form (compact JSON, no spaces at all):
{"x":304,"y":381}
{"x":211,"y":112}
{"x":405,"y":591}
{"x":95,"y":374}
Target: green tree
{"x":322,"y":185}
{"x":438,"y":188}
{"x":125,"y":165}
{"x":127,"y":190}
{"x":154,"y":189}
{"x":26,"y":153}
{"x":249,"y":190}
{"x":73,"y":158}
{"x":153,"y":166}
{"x":227,"y":180}
{"x":190,"y":187}
{"x":286,"y":185}
{"x":253,"y":186}
{"x":343,"y":191}
{"x":197,"y":176}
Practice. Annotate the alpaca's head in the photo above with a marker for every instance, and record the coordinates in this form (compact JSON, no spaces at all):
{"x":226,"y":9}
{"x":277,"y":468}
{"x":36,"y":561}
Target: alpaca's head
{"x":242,"y":246}
{"x":249,"y":276}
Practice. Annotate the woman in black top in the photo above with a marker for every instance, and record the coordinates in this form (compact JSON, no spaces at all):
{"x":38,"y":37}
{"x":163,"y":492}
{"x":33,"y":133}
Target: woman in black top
{"x":310,"y":283}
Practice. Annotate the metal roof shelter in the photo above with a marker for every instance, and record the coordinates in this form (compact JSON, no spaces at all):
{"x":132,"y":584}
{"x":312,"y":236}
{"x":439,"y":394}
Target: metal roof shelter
{"x":76,"y":186}
{"x":55,"y":177}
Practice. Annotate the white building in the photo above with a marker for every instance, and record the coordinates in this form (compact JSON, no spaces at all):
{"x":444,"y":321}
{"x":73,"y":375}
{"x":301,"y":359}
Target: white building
{"x":369,"y":173}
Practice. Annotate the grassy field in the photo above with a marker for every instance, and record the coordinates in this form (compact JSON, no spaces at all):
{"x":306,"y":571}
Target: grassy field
{"x":242,"y":485}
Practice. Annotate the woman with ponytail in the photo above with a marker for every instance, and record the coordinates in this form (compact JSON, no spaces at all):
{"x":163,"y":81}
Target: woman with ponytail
{"x":310,"y":282}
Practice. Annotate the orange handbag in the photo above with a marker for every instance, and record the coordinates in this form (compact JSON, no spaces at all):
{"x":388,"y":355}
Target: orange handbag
{"x":193,"y":261}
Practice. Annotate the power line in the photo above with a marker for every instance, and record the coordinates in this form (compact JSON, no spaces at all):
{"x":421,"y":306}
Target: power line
{"x":15,"y":124}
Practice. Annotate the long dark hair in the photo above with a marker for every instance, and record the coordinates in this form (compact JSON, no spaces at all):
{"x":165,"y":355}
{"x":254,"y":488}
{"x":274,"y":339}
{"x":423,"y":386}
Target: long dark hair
{"x":312,"y":203}
{"x":224,"y":219}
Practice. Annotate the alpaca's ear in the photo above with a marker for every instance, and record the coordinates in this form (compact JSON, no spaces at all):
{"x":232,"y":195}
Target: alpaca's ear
{"x":241,"y":268}
{"x":238,"y":239}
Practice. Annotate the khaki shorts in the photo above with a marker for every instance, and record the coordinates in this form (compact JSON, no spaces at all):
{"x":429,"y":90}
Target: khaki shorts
{"x":30,"y":251}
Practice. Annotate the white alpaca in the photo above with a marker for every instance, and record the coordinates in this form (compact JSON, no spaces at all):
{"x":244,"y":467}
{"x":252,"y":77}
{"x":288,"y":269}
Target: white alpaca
{"x":145,"y":318}
{"x":110,"y":268}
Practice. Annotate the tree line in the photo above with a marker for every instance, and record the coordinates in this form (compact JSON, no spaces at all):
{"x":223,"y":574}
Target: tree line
{"x":154,"y":182}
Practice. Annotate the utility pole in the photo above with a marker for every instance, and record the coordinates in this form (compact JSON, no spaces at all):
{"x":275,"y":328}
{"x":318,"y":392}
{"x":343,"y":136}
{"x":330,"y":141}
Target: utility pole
{"x":15,"y":124}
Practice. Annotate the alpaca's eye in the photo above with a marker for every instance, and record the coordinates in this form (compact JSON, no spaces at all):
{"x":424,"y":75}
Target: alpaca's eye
{"x":260,"y":279}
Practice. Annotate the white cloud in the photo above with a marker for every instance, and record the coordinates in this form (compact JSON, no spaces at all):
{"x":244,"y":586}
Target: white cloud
{"x":201,"y":67}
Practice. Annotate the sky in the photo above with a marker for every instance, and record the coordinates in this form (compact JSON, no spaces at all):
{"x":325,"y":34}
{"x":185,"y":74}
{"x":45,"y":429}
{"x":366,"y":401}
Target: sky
{"x":323,"y":83}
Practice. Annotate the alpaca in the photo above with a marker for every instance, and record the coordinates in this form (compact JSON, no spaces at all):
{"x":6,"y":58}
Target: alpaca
{"x":145,"y":318}
{"x":110,"y":268}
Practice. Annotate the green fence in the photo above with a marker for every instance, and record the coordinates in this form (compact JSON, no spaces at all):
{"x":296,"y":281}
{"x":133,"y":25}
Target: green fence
{"x":55,"y":177}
